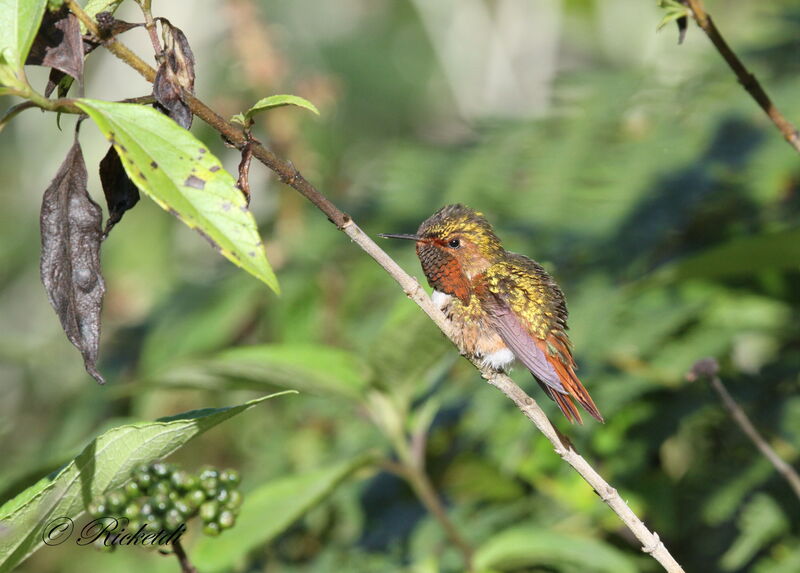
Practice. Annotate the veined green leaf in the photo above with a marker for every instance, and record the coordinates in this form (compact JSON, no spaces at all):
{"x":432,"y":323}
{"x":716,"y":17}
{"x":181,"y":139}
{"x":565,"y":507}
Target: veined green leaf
{"x":269,"y":510}
{"x":307,"y":367}
{"x":271,"y":102}
{"x":19,"y":22}
{"x":743,"y":255}
{"x":104,"y":464}
{"x":527,"y":546}
{"x":178,"y":172}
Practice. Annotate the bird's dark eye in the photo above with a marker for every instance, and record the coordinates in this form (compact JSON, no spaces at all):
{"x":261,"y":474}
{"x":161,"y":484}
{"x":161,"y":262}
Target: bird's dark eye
{"x":454,"y":243}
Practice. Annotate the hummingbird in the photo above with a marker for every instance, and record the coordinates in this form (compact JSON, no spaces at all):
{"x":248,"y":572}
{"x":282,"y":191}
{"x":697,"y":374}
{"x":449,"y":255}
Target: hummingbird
{"x":504,"y":306}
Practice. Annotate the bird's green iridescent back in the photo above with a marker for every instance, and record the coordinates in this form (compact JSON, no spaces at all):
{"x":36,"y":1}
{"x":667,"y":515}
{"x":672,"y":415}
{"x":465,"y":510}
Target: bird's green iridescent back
{"x":530,"y":293}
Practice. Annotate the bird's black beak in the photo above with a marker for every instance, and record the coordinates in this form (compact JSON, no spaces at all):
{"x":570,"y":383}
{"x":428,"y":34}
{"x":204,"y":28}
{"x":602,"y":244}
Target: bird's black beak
{"x":400,"y":236}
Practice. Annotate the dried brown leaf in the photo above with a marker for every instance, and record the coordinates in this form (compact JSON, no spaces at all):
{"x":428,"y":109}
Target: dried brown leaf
{"x":175,"y":74}
{"x":70,"y":264}
{"x":58,"y":44}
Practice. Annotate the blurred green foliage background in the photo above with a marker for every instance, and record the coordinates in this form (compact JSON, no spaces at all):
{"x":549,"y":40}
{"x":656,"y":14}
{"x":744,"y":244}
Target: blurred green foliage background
{"x":636,"y":170}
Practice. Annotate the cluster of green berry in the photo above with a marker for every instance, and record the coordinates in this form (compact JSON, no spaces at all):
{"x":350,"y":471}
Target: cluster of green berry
{"x":161,"y":496}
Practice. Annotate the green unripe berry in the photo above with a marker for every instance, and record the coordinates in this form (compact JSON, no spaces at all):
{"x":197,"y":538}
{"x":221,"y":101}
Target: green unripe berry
{"x":97,"y":508}
{"x":161,"y":503}
{"x":195,"y":498}
{"x":116,"y":500}
{"x":212,"y":529}
{"x":230,"y":476}
{"x":173,"y":519}
{"x":209,"y":511}
{"x":210,"y":485}
{"x":132,"y":510}
{"x":183,"y":508}
{"x":234,"y":499}
{"x":207,"y":472}
{"x":160,"y":469}
{"x":183,"y":480}
{"x":143,"y":479}
{"x":226,"y":519}
{"x":223,"y":495}
{"x":132,"y":490}
{"x":160,"y":488}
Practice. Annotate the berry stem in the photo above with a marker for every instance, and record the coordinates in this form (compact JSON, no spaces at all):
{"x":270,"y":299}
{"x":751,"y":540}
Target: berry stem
{"x":183,"y":559}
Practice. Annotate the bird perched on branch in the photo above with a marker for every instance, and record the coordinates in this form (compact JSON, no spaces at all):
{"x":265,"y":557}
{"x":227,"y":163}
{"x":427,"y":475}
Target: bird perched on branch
{"x":503,"y":305}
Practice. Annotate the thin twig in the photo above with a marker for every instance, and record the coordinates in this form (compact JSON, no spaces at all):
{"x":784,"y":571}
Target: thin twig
{"x":747,"y":79}
{"x":708,"y":368}
{"x":422,"y":486}
{"x":292,"y":177}
{"x":183,"y":559}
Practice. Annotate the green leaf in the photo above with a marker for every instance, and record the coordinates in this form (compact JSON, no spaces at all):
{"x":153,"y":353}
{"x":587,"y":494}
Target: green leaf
{"x":178,"y":172}
{"x":671,"y":16}
{"x":308,"y":367}
{"x":94,"y":7}
{"x":528,"y":546}
{"x":743,"y":255}
{"x":19,"y":22}
{"x":762,"y":521}
{"x":104,"y":464}
{"x":271,"y":509}
{"x":272,"y":102}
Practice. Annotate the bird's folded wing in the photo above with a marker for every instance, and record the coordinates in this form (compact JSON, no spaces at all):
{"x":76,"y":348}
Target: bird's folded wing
{"x":521,"y":343}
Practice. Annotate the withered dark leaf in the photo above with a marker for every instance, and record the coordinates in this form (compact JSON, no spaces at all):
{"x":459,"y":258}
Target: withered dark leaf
{"x":58,"y":44}
{"x":70,"y":265}
{"x":683,"y":23}
{"x":64,"y":81}
{"x":176,"y":73}
{"x":243,"y":183}
{"x":109,"y":26}
{"x":121,"y":193}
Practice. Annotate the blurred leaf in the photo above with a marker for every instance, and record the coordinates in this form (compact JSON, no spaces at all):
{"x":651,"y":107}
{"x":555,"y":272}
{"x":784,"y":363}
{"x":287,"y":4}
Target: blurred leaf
{"x":308,"y":367}
{"x":270,"y":509}
{"x":104,"y":464}
{"x":740,"y":256}
{"x":194,"y":321}
{"x":273,"y":102}
{"x":178,"y":172}
{"x":19,"y":22}
{"x":528,"y":546}
{"x":472,"y":478}
{"x":727,"y":496}
{"x":407,"y":333}
{"x":761,"y":521}
{"x":70,"y":262}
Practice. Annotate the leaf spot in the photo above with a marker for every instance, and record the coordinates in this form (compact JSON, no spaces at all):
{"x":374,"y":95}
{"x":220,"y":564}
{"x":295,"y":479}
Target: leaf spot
{"x":194,"y":182}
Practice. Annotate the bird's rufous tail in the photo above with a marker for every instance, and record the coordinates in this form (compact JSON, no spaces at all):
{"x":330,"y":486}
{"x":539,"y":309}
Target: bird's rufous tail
{"x":559,"y":356}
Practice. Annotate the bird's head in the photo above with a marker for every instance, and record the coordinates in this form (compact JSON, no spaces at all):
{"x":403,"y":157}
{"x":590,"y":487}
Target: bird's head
{"x":454,"y":245}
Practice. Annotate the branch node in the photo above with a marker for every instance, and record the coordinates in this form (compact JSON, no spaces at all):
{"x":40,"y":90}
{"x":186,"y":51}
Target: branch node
{"x":347,"y":221}
{"x":653,"y":546}
{"x":608,"y":494}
